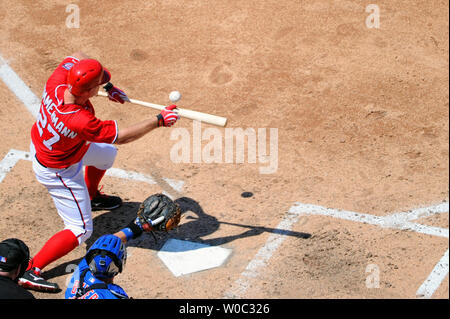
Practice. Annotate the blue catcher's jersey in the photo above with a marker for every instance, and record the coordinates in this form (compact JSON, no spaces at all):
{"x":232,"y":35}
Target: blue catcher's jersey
{"x":111,"y":292}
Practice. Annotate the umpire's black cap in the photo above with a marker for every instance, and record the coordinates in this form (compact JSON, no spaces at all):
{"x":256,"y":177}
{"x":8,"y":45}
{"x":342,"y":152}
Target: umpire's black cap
{"x":13,"y":252}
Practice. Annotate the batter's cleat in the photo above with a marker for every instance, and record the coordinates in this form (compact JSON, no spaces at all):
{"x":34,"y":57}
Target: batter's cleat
{"x":105,"y":202}
{"x":32,"y":280}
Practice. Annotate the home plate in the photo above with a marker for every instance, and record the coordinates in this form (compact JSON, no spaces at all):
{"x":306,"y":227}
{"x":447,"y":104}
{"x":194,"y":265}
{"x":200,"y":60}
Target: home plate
{"x":184,"y":257}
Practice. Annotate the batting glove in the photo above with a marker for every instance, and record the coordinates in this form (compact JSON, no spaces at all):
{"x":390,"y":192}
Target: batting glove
{"x":167,"y":117}
{"x":115,"y":94}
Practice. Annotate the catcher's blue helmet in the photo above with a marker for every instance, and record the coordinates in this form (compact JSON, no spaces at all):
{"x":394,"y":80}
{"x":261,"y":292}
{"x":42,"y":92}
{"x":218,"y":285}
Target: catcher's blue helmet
{"x":107,"y":256}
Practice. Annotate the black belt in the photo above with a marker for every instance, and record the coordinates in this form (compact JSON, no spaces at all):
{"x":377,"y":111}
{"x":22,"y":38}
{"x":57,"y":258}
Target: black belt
{"x":47,"y":166}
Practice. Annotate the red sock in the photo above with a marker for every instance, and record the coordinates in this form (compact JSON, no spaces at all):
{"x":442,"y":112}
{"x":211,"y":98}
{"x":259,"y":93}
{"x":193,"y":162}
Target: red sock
{"x":56,"y":247}
{"x":92,"y":177}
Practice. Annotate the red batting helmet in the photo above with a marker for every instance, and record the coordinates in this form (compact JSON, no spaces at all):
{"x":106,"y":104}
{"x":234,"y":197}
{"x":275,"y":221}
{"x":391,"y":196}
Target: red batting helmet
{"x":85,"y":75}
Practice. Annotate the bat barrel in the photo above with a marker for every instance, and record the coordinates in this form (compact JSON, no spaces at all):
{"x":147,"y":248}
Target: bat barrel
{"x":203,"y":117}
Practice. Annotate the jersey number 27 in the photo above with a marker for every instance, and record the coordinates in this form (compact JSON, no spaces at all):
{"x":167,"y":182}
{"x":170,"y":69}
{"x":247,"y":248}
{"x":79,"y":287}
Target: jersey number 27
{"x":42,"y":123}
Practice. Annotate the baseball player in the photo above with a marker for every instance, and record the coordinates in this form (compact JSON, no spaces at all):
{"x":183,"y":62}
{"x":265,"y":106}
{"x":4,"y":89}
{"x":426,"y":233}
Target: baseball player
{"x":106,"y":258}
{"x":68,"y":136}
{"x":93,"y":278}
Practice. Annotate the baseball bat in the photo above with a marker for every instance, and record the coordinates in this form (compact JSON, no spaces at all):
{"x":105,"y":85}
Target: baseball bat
{"x":189,"y":114}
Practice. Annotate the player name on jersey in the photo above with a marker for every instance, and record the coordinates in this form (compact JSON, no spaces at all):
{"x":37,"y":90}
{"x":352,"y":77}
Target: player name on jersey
{"x":57,"y":124}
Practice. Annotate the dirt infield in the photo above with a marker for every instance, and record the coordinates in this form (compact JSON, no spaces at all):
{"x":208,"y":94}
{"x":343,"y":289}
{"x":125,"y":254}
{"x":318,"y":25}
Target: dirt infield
{"x":361,"y":116}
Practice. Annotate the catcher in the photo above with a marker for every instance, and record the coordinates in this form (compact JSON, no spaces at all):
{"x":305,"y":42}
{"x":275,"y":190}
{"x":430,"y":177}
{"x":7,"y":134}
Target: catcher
{"x":93,"y":279}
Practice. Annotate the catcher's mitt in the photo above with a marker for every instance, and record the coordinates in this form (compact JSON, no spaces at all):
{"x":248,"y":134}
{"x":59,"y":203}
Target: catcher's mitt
{"x":158,"y":213}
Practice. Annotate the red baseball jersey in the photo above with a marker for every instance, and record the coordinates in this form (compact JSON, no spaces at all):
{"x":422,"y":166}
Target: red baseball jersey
{"x":62,"y":132}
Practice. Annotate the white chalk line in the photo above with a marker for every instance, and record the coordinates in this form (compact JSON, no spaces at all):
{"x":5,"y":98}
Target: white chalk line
{"x":434,"y":280}
{"x":10,"y":160}
{"x":19,"y":88}
{"x":400,"y":221}
{"x":13,"y":156}
{"x":395,"y":221}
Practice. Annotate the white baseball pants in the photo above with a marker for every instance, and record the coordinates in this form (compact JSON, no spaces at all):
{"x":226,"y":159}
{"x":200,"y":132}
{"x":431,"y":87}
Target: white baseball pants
{"x":68,"y":189}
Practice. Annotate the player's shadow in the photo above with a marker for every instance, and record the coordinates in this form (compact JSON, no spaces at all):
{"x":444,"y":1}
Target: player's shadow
{"x":194,"y":226}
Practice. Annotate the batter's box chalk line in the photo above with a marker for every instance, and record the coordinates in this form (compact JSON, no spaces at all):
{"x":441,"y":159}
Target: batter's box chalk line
{"x":19,"y":88}
{"x":402,"y":221}
{"x":13,"y":156}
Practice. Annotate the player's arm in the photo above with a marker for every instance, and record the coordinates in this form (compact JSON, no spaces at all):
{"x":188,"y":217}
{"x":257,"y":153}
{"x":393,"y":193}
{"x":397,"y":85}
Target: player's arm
{"x":167,"y":117}
{"x":136,"y":131}
{"x":132,"y":231}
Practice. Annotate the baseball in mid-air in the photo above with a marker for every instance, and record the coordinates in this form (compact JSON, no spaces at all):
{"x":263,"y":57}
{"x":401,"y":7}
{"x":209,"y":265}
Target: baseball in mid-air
{"x":174,"y":96}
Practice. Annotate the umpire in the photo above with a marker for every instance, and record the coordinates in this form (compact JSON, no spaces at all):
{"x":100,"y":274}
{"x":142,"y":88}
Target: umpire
{"x":14,"y":257}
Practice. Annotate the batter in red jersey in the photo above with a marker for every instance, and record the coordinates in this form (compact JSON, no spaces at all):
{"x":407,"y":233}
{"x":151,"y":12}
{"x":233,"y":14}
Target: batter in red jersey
{"x":68,"y":136}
